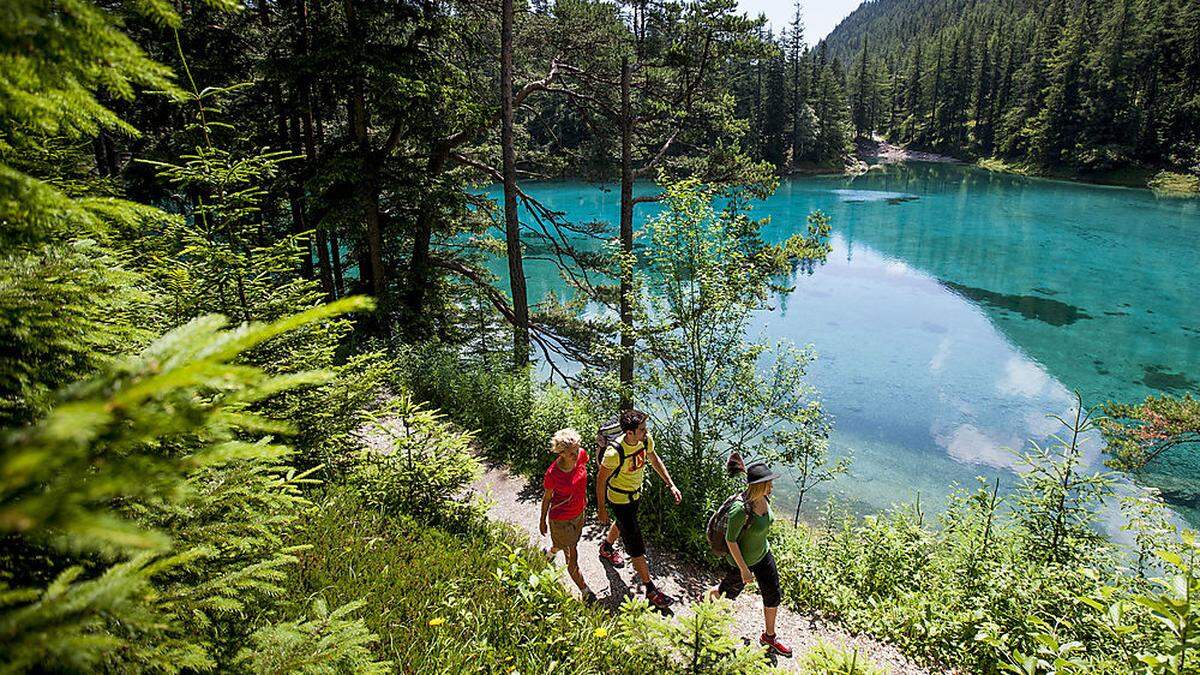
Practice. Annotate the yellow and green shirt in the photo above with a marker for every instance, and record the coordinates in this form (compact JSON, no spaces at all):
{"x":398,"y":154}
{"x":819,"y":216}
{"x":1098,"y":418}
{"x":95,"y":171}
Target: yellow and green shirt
{"x":632,"y":472}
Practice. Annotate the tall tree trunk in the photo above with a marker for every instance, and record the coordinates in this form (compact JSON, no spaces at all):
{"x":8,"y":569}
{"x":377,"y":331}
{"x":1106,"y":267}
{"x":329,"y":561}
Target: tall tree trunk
{"x":512,"y":225}
{"x":335,"y":252}
{"x":296,"y":199}
{"x":310,"y":144}
{"x":374,"y":237}
{"x":295,"y":204}
{"x":626,"y":308}
{"x":369,"y":184}
{"x":419,"y":268}
{"x":796,"y":102}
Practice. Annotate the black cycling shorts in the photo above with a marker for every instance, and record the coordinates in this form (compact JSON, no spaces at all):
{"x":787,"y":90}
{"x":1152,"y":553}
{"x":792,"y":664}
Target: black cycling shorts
{"x":765,"y":573}
{"x":626,"y":516}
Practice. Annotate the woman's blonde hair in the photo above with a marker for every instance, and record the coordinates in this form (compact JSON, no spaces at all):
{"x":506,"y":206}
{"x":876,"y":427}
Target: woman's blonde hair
{"x":565,"y":438}
{"x":756,"y":491}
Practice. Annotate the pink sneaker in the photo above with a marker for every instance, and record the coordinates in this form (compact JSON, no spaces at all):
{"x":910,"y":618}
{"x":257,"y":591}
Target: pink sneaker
{"x":773,"y":644}
{"x":610,"y":554}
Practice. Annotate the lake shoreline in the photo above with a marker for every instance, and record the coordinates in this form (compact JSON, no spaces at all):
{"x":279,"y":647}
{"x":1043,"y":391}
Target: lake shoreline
{"x":1163,"y":182}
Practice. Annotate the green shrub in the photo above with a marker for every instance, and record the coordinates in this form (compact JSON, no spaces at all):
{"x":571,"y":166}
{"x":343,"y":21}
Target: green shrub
{"x":512,"y":417}
{"x":328,"y":642}
{"x":827,"y":659}
{"x":162,"y":503}
{"x":701,"y":642}
{"x":423,"y":470}
{"x":1174,"y":184}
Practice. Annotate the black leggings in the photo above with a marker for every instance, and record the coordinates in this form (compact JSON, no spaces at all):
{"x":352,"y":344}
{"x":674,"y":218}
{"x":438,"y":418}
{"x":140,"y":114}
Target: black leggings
{"x":626,"y":516}
{"x":765,"y":573}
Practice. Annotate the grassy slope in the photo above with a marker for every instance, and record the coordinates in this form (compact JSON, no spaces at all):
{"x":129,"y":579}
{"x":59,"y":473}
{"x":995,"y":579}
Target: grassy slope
{"x":447,"y":602}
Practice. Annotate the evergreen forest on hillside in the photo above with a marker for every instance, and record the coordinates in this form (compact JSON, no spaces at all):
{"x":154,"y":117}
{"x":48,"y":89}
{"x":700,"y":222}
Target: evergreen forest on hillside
{"x":252,"y":358}
{"x":1081,"y":84}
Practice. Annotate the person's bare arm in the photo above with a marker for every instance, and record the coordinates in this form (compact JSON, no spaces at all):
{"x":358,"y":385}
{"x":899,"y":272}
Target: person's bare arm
{"x":601,"y":505}
{"x":546,"y":496}
{"x":736,"y":552}
{"x":661,"y":469}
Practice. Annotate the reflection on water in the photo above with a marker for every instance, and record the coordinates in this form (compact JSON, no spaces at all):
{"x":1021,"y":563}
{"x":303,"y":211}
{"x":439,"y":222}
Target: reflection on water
{"x":959,"y":307}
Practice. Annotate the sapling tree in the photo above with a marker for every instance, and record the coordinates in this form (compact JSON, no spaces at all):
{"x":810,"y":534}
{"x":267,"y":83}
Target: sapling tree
{"x":707,"y":272}
{"x":777,"y":417}
{"x":701,"y":642}
{"x":1058,"y":498}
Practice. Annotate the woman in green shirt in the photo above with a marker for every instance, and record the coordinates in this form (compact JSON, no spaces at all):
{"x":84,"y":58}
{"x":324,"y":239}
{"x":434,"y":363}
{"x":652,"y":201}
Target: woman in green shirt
{"x":750,"y":556}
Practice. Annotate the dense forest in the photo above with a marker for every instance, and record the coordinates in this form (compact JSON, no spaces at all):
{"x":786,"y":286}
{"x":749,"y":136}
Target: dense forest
{"x":1080,"y":84}
{"x":251,"y":357}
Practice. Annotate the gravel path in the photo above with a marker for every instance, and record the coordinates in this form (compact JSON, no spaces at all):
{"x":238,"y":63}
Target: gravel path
{"x":514,"y":499}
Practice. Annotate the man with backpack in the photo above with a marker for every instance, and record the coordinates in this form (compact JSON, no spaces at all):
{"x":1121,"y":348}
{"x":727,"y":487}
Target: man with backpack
{"x":619,"y":488}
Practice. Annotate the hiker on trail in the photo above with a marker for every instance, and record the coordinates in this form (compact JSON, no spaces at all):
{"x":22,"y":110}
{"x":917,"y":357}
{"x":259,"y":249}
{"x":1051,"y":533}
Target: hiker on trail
{"x":619,"y":489}
{"x":564,"y":500}
{"x":749,"y":553}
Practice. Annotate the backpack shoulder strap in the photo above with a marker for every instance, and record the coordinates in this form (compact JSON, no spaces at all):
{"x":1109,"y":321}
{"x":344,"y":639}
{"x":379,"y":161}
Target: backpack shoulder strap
{"x":615,"y":443}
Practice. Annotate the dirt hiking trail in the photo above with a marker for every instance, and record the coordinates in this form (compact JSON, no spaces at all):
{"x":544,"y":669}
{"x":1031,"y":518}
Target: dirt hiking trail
{"x":516,"y":500}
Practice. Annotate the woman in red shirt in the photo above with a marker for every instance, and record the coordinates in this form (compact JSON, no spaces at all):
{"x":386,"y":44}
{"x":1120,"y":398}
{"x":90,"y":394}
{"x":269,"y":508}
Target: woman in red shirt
{"x":564,"y":500}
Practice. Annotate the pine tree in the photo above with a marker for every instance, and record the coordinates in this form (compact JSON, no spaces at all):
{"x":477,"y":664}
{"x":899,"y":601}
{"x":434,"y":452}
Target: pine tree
{"x":914,"y":91}
{"x":1106,"y":125}
{"x":775,"y":110}
{"x":66,"y":308}
{"x":833,"y":142}
{"x":864,"y":94}
{"x":982,"y":102}
{"x":1056,"y":126}
{"x":800,"y":111}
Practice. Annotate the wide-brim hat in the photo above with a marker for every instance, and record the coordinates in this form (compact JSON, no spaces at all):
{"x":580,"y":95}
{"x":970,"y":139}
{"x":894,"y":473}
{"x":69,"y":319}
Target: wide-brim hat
{"x":759,"y":472}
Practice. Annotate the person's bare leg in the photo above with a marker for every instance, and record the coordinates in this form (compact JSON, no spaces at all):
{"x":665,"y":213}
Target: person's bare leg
{"x":769,"y":618}
{"x":643,"y":570}
{"x":573,"y":567}
{"x":613,"y":533}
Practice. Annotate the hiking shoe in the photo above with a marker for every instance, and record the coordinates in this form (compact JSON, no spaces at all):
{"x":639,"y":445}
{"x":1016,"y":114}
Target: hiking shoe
{"x":589,"y":598}
{"x":774,"y":646}
{"x":610,"y":554}
{"x":659,"y":599}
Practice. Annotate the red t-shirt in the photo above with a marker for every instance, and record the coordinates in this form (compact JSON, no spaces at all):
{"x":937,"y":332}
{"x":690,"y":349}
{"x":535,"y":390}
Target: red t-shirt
{"x":569,"y":489}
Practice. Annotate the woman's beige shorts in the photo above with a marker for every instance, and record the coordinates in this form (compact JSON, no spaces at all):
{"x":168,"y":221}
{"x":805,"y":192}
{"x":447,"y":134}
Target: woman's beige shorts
{"x":565,"y":533}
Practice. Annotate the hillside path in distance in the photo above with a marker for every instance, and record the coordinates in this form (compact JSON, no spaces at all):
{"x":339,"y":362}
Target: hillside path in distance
{"x":516,"y":500}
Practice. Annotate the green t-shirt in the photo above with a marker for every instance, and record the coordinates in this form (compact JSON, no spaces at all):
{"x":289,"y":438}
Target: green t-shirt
{"x":632,"y":472}
{"x":753,"y":542}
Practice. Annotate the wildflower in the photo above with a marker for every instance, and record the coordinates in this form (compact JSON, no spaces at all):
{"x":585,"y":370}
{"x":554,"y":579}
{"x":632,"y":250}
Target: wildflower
{"x":600,"y":632}
{"x":437,"y":622}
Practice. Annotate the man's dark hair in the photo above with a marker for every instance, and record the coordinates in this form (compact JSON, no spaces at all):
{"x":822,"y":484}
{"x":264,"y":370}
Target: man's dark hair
{"x":632,"y":419}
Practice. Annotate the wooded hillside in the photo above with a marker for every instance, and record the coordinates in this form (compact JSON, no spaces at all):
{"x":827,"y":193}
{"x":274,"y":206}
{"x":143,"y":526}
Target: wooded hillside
{"x":1092,"y":84}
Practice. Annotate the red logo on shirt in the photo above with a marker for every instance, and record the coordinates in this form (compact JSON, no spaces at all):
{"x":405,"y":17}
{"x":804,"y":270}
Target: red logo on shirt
{"x":637,"y":460}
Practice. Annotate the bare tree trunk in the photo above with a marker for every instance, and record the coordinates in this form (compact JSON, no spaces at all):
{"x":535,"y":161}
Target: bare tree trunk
{"x":626,"y":308}
{"x":369,"y":185}
{"x":310,"y":144}
{"x":335,"y":252}
{"x":512,"y":225}
{"x":420,"y":267}
{"x":295,"y":198}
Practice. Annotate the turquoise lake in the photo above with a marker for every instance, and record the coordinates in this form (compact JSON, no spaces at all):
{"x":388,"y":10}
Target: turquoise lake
{"x":959,"y":307}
